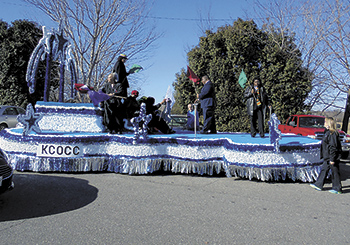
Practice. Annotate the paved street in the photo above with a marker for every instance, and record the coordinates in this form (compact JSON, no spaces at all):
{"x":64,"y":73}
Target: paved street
{"x":165,"y":208}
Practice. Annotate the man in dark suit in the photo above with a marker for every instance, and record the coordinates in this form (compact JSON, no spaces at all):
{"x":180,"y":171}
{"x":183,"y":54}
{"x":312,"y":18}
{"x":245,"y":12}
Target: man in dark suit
{"x":207,"y":98}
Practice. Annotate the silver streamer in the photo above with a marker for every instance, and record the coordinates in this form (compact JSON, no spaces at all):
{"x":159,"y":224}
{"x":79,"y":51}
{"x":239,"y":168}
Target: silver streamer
{"x":141,"y":131}
{"x":146,"y":166}
{"x":78,"y":151}
{"x":30,"y":120}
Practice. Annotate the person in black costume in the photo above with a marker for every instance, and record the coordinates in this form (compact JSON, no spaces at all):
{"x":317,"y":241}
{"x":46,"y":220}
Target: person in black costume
{"x":257,"y":101}
{"x":132,"y":106}
{"x":113,"y":107}
{"x":122,"y":84}
{"x":157,"y":122}
{"x":330,"y":153}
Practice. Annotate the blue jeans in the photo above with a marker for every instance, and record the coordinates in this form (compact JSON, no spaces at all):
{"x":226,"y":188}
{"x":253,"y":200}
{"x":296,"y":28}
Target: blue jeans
{"x":326,"y":166}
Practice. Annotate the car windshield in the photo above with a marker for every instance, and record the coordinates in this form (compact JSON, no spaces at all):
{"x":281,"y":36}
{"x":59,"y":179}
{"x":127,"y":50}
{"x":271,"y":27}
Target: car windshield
{"x":21,"y":111}
{"x":311,"y":122}
{"x":178,"y":120}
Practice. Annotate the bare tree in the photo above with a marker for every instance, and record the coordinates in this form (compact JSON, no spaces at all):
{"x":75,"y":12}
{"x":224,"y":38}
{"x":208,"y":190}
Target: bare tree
{"x":321,"y":30}
{"x":100,"y":30}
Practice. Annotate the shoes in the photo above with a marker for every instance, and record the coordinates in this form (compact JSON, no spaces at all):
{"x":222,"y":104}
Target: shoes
{"x":208,"y":132}
{"x":315,"y":187}
{"x":253,"y":135}
{"x":262,"y":135}
{"x":334,"y":192}
{"x":116,"y":132}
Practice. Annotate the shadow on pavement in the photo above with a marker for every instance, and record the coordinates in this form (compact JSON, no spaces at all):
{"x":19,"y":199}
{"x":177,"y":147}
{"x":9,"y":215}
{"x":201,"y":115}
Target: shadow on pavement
{"x":344,"y":169}
{"x":37,"y":195}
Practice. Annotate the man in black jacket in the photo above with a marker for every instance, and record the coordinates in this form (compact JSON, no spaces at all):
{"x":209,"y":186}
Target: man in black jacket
{"x":257,"y":101}
{"x":207,"y":98}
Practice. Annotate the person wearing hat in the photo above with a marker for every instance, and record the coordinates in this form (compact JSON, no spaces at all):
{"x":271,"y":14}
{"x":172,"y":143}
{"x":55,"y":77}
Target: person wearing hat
{"x":122,"y":83}
{"x":132,"y":105}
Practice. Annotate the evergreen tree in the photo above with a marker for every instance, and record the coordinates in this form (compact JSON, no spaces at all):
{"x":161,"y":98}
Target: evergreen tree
{"x":286,"y":79}
{"x":16,"y":45}
{"x":222,"y":56}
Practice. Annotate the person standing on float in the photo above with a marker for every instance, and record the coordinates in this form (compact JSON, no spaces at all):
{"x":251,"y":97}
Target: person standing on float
{"x":207,"y":98}
{"x":132,"y":105}
{"x":112,"y":108}
{"x":122,"y":84}
{"x":257,"y":101}
{"x":330,"y":153}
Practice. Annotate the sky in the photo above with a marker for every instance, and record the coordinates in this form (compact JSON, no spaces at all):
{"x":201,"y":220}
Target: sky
{"x":176,"y":19}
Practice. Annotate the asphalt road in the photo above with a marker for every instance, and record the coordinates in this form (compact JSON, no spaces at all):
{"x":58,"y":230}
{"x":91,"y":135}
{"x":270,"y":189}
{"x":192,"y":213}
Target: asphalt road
{"x":165,"y":208}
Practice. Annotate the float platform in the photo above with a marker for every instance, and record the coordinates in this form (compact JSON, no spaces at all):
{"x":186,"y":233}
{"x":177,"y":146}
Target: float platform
{"x":236,"y":154}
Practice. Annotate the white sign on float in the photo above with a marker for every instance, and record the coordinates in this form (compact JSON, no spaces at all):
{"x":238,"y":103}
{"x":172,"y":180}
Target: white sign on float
{"x":54,"y":150}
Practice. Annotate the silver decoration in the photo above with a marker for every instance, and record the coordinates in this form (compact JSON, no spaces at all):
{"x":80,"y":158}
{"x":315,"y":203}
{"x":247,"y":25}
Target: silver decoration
{"x":148,"y":158}
{"x":146,"y":166}
{"x":275,"y":134}
{"x":116,"y":153}
{"x":30,"y":120}
{"x":38,"y":54}
{"x":61,"y":50}
{"x":303,"y":173}
{"x":81,"y":117}
{"x":141,"y":132}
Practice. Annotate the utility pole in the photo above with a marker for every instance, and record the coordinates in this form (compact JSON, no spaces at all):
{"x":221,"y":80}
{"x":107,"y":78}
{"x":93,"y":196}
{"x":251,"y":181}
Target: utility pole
{"x":346,"y":114}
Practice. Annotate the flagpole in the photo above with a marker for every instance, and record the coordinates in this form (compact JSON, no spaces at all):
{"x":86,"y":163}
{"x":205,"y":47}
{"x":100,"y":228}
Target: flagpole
{"x":195,"y":119}
{"x":195,"y":79}
{"x":270,"y":120}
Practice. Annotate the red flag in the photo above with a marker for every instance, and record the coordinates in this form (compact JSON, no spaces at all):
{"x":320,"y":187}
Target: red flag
{"x":193,"y":77}
{"x":96,"y":97}
{"x":82,"y":88}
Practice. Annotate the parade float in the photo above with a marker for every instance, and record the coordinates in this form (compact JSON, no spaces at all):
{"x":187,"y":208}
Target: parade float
{"x":70,"y":137}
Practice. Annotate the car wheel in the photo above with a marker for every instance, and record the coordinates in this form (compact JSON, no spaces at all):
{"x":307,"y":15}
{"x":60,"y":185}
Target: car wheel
{"x":3,"y":126}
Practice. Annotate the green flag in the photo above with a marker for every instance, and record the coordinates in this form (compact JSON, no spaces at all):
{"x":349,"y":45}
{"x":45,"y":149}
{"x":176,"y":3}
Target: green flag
{"x":135,"y":69}
{"x":242,"y":79}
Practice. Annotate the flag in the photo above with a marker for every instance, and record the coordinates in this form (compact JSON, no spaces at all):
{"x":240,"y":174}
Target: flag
{"x":96,"y":97}
{"x":82,"y":88}
{"x":135,"y":69}
{"x":242,"y":79}
{"x":193,"y":77}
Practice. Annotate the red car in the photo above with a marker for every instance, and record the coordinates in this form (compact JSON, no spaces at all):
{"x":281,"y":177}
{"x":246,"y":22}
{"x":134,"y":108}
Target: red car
{"x":312,"y":126}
